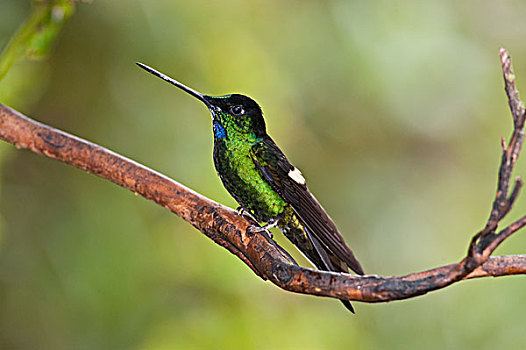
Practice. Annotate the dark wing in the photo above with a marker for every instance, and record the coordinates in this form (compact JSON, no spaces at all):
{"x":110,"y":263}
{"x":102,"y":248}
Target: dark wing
{"x":288,"y":182}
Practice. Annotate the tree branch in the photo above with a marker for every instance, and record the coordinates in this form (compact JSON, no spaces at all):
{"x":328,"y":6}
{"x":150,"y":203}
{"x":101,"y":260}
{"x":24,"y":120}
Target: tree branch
{"x":255,"y":248}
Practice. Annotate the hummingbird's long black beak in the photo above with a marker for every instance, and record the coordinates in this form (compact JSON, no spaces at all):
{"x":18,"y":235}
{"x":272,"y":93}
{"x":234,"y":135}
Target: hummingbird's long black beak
{"x":183,"y":87}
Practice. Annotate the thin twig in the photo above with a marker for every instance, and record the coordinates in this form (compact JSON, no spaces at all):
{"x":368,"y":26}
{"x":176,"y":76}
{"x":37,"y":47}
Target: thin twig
{"x":269,"y":261}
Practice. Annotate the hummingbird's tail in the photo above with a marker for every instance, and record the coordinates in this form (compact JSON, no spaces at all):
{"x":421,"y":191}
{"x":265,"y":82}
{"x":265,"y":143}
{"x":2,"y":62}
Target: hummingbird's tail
{"x":330,"y":263}
{"x":313,"y":249}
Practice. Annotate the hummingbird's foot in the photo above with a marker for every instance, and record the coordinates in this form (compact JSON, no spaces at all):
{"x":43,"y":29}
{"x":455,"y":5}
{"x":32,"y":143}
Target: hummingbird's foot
{"x":263,"y":230}
{"x":243,"y":212}
{"x":270,"y":224}
{"x":266,"y":229}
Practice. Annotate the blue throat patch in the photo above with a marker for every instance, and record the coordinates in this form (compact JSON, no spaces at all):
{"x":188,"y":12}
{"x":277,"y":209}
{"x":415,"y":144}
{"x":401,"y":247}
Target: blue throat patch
{"x":219,"y":130}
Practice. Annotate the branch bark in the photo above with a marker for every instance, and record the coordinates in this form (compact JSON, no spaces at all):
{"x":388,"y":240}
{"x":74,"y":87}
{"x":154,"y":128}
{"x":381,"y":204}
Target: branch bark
{"x":255,"y":248}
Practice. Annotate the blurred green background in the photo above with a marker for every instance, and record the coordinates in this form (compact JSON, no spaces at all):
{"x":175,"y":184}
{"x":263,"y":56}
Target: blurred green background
{"x":393,"y":111}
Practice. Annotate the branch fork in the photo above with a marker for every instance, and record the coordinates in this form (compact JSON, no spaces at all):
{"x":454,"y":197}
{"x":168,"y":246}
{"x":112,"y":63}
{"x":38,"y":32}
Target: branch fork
{"x":245,"y":239}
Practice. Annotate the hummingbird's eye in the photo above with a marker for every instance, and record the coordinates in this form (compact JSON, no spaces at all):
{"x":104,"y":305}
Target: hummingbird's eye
{"x":237,"y":110}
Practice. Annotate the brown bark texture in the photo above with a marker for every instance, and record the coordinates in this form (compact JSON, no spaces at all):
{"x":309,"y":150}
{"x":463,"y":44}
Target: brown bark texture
{"x":246,"y":240}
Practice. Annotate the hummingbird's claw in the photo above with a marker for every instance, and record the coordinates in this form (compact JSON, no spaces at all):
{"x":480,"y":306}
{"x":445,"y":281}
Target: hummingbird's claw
{"x":264,"y":230}
{"x":272,"y":223}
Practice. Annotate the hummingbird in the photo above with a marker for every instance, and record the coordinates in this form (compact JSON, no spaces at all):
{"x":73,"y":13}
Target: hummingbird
{"x":265,"y":184}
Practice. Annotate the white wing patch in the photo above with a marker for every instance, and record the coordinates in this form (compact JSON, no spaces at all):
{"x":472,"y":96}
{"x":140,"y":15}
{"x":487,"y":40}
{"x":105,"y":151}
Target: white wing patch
{"x":295,"y":175}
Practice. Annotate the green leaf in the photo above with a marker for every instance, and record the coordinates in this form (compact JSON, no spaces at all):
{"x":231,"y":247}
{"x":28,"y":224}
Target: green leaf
{"x":36,"y":37}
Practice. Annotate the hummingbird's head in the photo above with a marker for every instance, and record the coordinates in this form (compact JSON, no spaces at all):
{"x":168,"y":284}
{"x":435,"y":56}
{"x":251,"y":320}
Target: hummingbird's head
{"x":233,"y":115}
{"x":236,"y":113}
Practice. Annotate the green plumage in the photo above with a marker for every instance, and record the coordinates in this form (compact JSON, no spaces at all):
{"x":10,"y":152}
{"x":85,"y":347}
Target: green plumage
{"x":234,"y":164}
{"x":239,"y":169}
{"x":261,"y":179}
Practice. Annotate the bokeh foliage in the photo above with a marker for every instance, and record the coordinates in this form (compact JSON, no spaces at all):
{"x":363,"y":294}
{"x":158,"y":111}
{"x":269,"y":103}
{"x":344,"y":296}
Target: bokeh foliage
{"x":35,"y":38}
{"x":392,"y":110}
